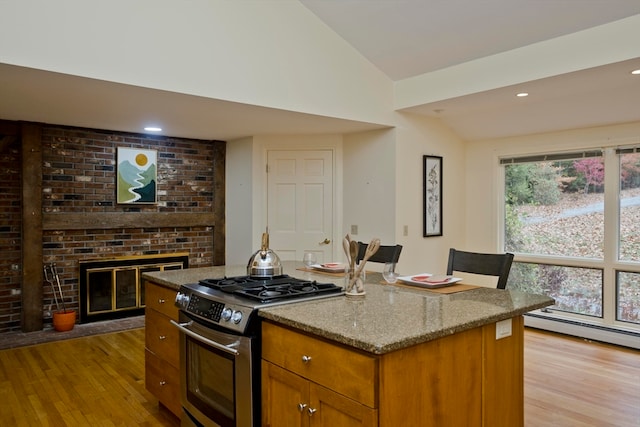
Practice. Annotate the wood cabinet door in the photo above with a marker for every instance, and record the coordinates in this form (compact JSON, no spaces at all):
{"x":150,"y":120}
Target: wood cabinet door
{"x":503,"y":376}
{"x":434,"y":384}
{"x":330,"y":409}
{"x":285,"y":398}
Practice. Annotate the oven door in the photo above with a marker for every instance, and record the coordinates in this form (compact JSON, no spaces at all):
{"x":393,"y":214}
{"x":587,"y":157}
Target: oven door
{"x":217,"y":375}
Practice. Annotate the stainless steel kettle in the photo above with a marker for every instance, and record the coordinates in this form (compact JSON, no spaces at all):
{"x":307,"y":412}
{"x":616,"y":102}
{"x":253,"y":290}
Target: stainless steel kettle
{"x":264,"y":263}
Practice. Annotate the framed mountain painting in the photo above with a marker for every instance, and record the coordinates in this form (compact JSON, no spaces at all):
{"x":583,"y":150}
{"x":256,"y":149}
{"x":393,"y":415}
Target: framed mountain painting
{"x":137,"y":174}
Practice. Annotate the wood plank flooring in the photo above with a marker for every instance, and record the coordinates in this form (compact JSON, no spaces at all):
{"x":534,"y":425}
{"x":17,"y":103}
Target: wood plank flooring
{"x":570,"y":382}
{"x":99,"y":381}
{"x":89,"y":381}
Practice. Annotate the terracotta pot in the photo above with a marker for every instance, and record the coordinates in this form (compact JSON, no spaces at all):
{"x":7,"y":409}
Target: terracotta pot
{"x":64,"y":321}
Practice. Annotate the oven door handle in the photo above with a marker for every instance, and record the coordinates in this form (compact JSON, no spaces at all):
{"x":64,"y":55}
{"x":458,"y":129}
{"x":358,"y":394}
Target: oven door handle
{"x":195,"y":336}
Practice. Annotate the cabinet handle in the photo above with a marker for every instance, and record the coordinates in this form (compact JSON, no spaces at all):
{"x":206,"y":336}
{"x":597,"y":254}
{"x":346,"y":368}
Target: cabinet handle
{"x":160,"y":301}
{"x":306,"y":359}
{"x":161,"y":337}
{"x":162,"y":383}
{"x":301,"y":406}
{"x":311,"y":411}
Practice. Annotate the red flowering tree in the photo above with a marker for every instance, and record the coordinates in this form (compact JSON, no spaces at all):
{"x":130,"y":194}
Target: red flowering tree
{"x":629,"y":170}
{"x":593,"y":170}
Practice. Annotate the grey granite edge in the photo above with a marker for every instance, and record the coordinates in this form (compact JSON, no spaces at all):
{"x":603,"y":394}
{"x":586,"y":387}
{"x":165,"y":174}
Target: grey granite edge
{"x":371,"y":347}
{"x":159,"y":281}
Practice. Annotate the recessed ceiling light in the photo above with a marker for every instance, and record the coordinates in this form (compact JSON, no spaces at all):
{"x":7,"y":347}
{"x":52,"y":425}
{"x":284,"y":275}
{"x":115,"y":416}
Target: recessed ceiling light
{"x":636,"y":71}
{"x":522,"y":94}
{"x":153,"y":129}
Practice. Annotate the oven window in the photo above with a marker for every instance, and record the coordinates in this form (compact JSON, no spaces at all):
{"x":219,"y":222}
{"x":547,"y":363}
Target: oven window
{"x":210,"y":381}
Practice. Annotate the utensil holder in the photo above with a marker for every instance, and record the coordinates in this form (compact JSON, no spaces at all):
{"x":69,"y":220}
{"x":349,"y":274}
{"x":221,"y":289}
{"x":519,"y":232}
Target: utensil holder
{"x":353,"y":287}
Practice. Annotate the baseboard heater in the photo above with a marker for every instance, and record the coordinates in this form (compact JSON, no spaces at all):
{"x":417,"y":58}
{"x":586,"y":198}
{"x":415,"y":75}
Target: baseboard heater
{"x":583,"y":330}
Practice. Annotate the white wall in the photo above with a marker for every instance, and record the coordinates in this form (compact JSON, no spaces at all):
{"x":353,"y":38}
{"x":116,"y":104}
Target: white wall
{"x":267,"y":53}
{"x":415,"y":137}
{"x":239,"y":195}
{"x":369,"y":186}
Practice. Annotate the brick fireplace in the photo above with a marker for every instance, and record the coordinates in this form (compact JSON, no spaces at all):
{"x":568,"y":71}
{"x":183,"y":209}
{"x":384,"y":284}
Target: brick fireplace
{"x":64,"y":210}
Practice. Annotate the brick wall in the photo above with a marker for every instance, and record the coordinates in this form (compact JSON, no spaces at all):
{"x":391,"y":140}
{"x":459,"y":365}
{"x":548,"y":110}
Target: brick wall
{"x":10,"y":237}
{"x":79,"y":176}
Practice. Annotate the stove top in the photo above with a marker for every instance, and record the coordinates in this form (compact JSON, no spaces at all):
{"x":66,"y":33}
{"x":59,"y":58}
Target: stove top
{"x":231,"y":302}
{"x":268,"y":290}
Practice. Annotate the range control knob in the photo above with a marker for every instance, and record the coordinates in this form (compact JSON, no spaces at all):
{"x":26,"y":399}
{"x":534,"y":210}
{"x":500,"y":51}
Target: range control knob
{"x":182,"y":300}
{"x":236,"y":317}
{"x":226,"y":314}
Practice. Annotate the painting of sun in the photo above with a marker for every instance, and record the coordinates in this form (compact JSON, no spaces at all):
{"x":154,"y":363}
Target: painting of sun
{"x":136,"y":176}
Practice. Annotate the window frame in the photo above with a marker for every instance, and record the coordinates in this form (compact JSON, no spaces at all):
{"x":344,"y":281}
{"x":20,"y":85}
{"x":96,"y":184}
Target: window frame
{"x":609,"y":264}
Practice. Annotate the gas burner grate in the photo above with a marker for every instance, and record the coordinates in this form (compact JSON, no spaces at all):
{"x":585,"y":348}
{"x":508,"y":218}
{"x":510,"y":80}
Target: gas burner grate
{"x":231,"y":284}
{"x":284,"y":291}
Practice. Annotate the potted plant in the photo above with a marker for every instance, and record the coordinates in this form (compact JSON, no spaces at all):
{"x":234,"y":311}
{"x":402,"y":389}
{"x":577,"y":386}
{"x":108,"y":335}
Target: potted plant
{"x":63,"y":320}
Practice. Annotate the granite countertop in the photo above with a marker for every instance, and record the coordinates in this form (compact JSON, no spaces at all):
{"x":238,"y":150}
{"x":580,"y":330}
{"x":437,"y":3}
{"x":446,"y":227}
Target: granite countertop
{"x":175,"y":278}
{"x":387,"y":318}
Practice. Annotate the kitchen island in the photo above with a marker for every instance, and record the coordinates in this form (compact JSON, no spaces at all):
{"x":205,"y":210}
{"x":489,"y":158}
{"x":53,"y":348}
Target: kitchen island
{"x":395,"y":356}
{"x":398,"y":355}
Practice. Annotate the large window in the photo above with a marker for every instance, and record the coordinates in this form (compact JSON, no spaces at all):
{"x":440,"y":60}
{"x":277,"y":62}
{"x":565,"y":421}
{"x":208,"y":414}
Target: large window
{"x":573,"y":221}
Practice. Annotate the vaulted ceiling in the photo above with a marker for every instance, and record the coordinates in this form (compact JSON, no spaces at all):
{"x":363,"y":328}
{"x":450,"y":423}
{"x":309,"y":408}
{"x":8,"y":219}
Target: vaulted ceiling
{"x":407,"y":38}
{"x":404,"y":39}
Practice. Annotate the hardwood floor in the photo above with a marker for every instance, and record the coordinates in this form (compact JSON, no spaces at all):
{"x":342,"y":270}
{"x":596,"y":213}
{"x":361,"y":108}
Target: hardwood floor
{"x":99,"y":381}
{"x":90,"y":381}
{"x":570,"y":382}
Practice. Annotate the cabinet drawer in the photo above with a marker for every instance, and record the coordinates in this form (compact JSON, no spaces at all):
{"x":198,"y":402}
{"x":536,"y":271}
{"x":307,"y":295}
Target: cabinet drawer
{"x":163,"y":381}
{"x":346,"y":371}
{"x":161,"y":299}
{"x":161,"y":337}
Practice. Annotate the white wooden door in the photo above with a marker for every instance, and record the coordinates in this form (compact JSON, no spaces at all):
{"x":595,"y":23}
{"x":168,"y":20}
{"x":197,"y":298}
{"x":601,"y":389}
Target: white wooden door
{"x":300,"y":203}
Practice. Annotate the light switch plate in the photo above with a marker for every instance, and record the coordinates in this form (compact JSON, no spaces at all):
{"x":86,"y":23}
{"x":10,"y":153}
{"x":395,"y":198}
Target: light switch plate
{"x":354,"y":229}
{"x":503,"y":329}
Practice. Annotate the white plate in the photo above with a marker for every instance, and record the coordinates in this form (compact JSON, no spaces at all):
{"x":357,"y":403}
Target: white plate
{"x":419,"y":280}
{"x":331,"y":267}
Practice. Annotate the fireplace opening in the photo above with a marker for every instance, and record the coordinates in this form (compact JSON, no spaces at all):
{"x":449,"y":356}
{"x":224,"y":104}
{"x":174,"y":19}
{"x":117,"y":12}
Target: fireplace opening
{"x":112,"y":288}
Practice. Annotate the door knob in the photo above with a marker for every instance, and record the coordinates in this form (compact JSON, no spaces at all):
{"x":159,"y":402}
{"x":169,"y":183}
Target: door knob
{"x":325,"y":242}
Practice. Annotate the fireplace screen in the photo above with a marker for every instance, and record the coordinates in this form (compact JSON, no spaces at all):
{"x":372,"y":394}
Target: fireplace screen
{"x":113,"y":288}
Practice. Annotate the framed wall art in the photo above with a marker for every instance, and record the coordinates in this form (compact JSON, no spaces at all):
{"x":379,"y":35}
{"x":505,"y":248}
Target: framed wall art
{"x":432,"y":195}
{"x":136,"y":176}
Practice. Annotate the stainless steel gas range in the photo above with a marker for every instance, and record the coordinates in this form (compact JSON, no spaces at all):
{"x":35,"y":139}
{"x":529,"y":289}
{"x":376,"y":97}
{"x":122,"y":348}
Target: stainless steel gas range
{"x":220,"y":343}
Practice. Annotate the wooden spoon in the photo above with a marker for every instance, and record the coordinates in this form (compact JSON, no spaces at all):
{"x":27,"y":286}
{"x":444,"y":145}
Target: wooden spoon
{"x":347,"y":249}
{"x":353,"y":247}
{"x":372,"y":248}
{"x":353,"y":250}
